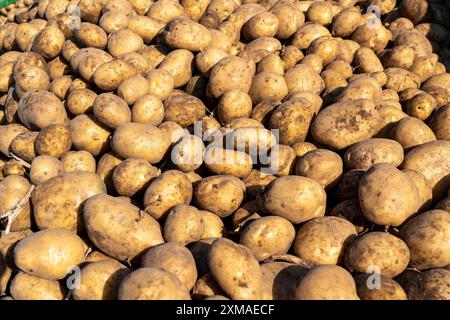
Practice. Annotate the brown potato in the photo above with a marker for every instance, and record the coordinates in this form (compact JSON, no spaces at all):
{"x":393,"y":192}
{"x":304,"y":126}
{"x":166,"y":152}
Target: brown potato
{"x":183,"y":33}
{"x":378,"y":252}
{"x":43,"y":168}
{"x":115,"y":20}
{"x":23,"y":145}
{"x":214,"y":226}
{"x":183,"y":109}
{"x":132,"y":176}
{"x":110,"y":75}
{"x":110,"y":110}
{"x":25,"y":286}
{"x":383,"y":289}
{"x":429,"y":285}
{"x":322,"y":165}
{"x":80,"y":101}
{"x":440,"y":123}
{"x":12,"y":189}
{"x":53,"y":140}
{"x":105,"y":168}
{"x":187,"y":154}
{"x":148,"y":109}
{"x":48,"y":42}
{"x":425,"y":192}
{"x":411,"y":132}
{"x":89,"y":135}
{"x":178,"y":64}
{"x":282,"y":159}
{"x":264,"y":24}
{"x":420,"y":106}
{"x":303,"y":77}
{"x":91,"y":35}
{"x":132,"y":89}
{"x":78,"y":161}
{"x":345,"y":22}
{"x":307,"y":33}
{"x":234,"y":104}
{"x":267,"y":85}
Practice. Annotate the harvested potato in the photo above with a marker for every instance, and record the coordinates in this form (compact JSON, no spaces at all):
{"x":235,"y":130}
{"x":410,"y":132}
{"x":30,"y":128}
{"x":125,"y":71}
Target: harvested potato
{"x":388,"y":288}
{"x":25,"y":286}
{"x":429,"y":285}
{"x":13,"y":189}
{"x":148,"y":109}
{"x":43,"y":168}
{"x":187,"y":154}
{"x":78,"y":161}
{"x":440,"y":123}
{"x":89,"y":135}
{"x":53,"y":140}
{"x":178,"y":64}
{"x":23,"y":145}
{"x":234,"y":104}
{"x":132,"y":176}
{"x":322,"y":165}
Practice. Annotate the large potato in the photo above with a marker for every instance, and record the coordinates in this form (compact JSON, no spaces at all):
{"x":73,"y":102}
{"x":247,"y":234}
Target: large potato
{"x":50,"y":253}
{"x":109,"y":75}
{"x":56,"y":203}
{"x":119,"y":228}
{"x":295,"y":198}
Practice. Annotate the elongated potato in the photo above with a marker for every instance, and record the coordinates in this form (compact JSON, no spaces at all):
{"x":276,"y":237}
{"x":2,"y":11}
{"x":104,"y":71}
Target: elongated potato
{"x":228,"y":162}
{"x":25,"y":286}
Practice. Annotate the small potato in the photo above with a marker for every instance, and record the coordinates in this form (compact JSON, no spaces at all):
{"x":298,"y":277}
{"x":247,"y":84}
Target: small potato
{"x":132,"y":176}
{"x":89,"y":135}
{"x":43,"y":168}
{"x":57,"y":68}
{"x":420,"y":106}
{"x":373,"y":37}
{"x":178,"y":64}
{"x":48,"y":42}
{"x":366,"y":61}
{"x":322,"y":165}
{"x":301,"y":148}
{"x":139,"y":140}
{"x":388,"y":288}
{"x":91,"y":35}
{"x":152,"y":284}
{"x":303,"y":78}
{"x":25,"y":286}
{"x":100,"y":280}
{"x":133,"y":88}
{"x":234,"y":104}
{"x":53,"y":140}
{"x":175,"y":259}
{"x":325,"y":47}
{"x":119,"y":228}
{"x":429,"y":285}
{"x":307,"y":33}
{"x":267,"y":85}
{"x":7,"y":134}
{"x":364,"y":154}
{"x":148,"y":109}
{"x":214,"y":227}
{"x":208,"y":57}
{"x":49,"y":254}
{"x":161,"y":83}
{"x":259,"y":236}
{"x":168,"y":190}
{"x":183,"y":225}
{"x":187,"y":154}
{"x":425,"y":67}
{"x":111,"y":111}
{"x":427,"y":237}
{"x":345,"y":22}
{"x":12,"y":189}
{"x":361,"y":87}
{"x":411,"y":132}
{"x":165,"y":10}
{"x":271,"y":63}
{"x":23,"y":145}
{"x":380,"y":250}
{"x":384,"y":203}
{"x":105,"y":168}
{"x":183,"y":109}
{"x":60,"y":87}
{"x":398,"y":57}
{"x":80,"y":101}
{"x":235,"y":269}
{"x":440,"y":123}
{"x":124,"y":41}
{"x":320,"y":12}
{"x":324,"y":240}
{"x":290,"y":55}
{"x":281,"y":199}
{"x":326,"y":282}
{"x":332,"y":126}
{"x":341,"y":67}
{"x":110,"y":75}
{"x":289,"y":19}
{"x":24,"y":34}
{"x":183,"y":33}
{"x":31,"y":78}
{"x":78,"y":161}
{"x":264,"y":24}
{"x":114,"y":20}
{"x":282,"y":159}
{"x":219,"y":194}
{"x":346,"y":50}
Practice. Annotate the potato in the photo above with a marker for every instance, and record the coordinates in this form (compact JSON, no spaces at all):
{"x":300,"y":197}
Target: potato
{"x":78,"y":161}
{"x":271,"y":63}
{"x":344,"y":23}
{"x":327,"y":282}
{"x":208,"y":57}
{"x":124,"y":41}
{"x":31,"y":110}
{"x":111,"y":110}
{"x":6,"y":76}
{"x":279,"y":279}
{"x":100,"y":280}
{"x":43,"y":168}
{"x":25,"y":286}
{"x":89,"y":135}
{"x":234,"y":104}
{"x":346,"y":50}
{"x":307,"y":33}
{"x":231,"y":265}
{"x":378,"y":252}
{"x":289,"y":19}
{"x":132,"y":176}
{"x":183,"y":109}
{"x":104,"y":218}
{"x":139,"y":140}
{"x":324,"y":240}
{"x":245,"y":123}
{"x":152,"y":284}
{"x":366,"y":61}
{"x":175,"y":259}
{"x":53,"y":140}
{"x":427,"y":237}
{"x":425,"y":67}
{"x":303,"y":78}
{"x":373,"y":37}
{"x":281,"y":160}
{"x":420,"y":106}
{"x":415,"y":10}
{"x":187,"y":154}
{"x":364,"y":154}
{"x":165,"y":10}
{"x":12,"y":189}
{"x":439,"y":123}
{"x":183,"y":33}
{"x":115,"y":20}
{"x":256,"y":181}
{"x":429,"y":285}
{"x":80,"y":101}
{"x":301,"y":148}
{"x":384,"y":203}
{"x":124,"y":6}
{"x":148,"y":109}
{"x":290,"y":55}
{"x":24,"y":34}
{"x":264,"y":24}
{"x":388,"y":288}
{"x":432,"y":160}
{"x":168,"y":190}
{"x":13,"y":167}
{"x":105,"y":168}
{"x":292,"y":118}
{"x":91,"y":35}
{"x":48,"y":42}
{"x":425,"y":192}
{"x":259,"y":236}
{"x":214,"y":227}
{"x":23,"y":145}
{"x":287,"y":204}
{"x":7,"y":134}
{"x":31,"y":78}
{"x":267,"y":85}
{"x":49,"y":254}
{"x":414,"y":39}
{"x":332,"y":126}
{"x":219,"y":194}
{"x":361,"y":87}
{"x":109,"y":75}
{"x":178,"y":64}
{"x":322,"y":165}
{"x":411,"y":132}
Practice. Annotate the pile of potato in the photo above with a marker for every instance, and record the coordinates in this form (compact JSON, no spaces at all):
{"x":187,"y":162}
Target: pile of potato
{"x":225,"y":149}
{"x":15,"y":10}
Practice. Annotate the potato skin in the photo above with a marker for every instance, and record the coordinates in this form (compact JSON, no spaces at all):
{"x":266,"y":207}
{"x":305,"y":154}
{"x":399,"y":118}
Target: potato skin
{"x":54,"y":140}
{"x":363,"y":155}
{"x":228,"y":162}
{"x":109,"y":75}
{"x":43,"y":168}
{"x":326,"y":282}
{"x":411,"y":132}
{"x":152,"y":284}
{"x":240,"y":267}
{"x":175,"y":259}
{"x":268,"y":236}
{"x":132,"y":176}
{"x":324,"y":240}
{"x":178,"y":63}
{"x":387,"y":196}
{"x":183,"y":225}
{"x":100,"y":280}
{"x":429,"y":285}
{"x":56,"y":202}
{"x":89,"y":135}
{"x":12,"y":189}
{"x":282,"y":199}
{"x":389,"y":289}
{"x":440,"y":123}
{"x":428,"y":239}
{"x":25,"y":286}
{"x":183,"y":33}
{"x":118,"y":228}
{"x":49,"y":253}
{"x":23,"y":145}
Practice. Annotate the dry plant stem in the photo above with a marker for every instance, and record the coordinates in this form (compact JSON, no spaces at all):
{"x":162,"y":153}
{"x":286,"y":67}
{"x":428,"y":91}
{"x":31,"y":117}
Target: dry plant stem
{"x":20,"y":160}
{"x":12,"y":214}
{"x":292,"y":259}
